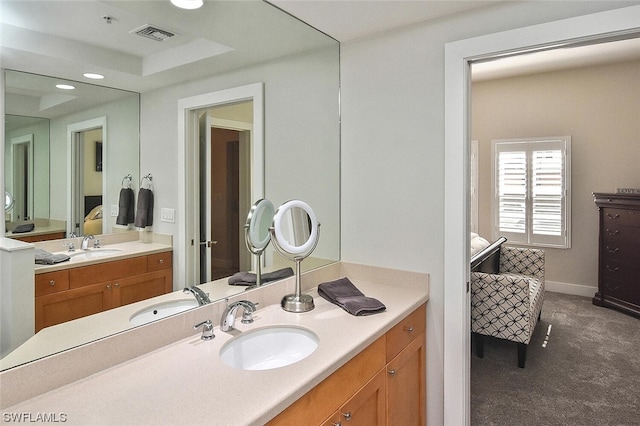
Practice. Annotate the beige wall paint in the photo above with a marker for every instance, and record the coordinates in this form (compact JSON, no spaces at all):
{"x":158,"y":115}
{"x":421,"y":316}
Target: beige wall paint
{"x":599,"y":107}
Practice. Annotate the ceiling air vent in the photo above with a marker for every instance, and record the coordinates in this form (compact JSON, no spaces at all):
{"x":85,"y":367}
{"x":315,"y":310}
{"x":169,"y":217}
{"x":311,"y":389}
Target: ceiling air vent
{"x":154,"y":33}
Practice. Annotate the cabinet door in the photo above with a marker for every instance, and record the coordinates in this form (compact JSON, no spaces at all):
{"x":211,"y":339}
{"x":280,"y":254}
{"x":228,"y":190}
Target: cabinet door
{"x":365,"y":408}
{"x":406,"y":385}
{"x":141,"y":287}
{"x":68,"y":305}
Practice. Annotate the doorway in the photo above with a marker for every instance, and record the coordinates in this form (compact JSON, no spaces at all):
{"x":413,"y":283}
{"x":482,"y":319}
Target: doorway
{"x":86,"y":177}
{"x":22,"y":178}
{"x":225,"y":196}
{"x":191,"y":120}
{"x":458,"y":57}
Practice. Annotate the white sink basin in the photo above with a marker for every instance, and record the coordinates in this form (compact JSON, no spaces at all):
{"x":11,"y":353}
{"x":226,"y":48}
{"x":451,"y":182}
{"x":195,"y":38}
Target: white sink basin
{"x":94,"y":253}
{"x":162,"y":310}
{"x":268,"y":348}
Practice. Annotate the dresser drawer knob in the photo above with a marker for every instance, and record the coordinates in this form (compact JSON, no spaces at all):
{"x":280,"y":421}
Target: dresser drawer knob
{"x":409,"y":329}
{"x":612,"y":251}
{"x":347,"y":416}
{"x":616,"y":232}
{"x":392,"y":373}
{"x":161,"y":261}
{"x":610,"y":269}
{"x":610,"y":216}
{"x":52,"y":282}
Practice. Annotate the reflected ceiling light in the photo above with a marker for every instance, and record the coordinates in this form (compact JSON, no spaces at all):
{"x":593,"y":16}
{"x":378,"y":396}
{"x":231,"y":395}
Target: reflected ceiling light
{"x":65,"y":86}
{"x":187,"y":4}
{"x":93,"y":76}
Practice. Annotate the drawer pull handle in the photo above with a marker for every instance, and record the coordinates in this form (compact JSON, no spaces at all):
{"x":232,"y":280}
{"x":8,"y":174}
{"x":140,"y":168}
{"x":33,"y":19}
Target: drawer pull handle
{"x":52,"y":282}
{"x":409,"y":329}
{"x":108,"y":286}
{"x":616,"y":232}
{"x":337,"y":424}
{"x":347,"y":416}
{"x":161,"y":261}
{"x":613,"y":251}
{"x":117,"y":285}
{"x":612,"y":269}
{"x":610,"y":216}
{"x":392,"y":373}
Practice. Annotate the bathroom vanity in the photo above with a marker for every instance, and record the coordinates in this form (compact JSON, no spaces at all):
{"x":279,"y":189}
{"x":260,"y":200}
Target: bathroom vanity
{"x":76,"y":292}
{"x":363,"y":366}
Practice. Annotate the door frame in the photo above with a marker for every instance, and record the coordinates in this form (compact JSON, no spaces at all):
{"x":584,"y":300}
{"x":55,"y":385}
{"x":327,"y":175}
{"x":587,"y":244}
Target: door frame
{"x":188,"y":253}
{"x":72,"y":154}
{"x":458,"y":58}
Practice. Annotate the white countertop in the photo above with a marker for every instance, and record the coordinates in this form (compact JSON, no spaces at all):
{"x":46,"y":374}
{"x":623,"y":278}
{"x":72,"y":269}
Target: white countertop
{"x":187,"y":383}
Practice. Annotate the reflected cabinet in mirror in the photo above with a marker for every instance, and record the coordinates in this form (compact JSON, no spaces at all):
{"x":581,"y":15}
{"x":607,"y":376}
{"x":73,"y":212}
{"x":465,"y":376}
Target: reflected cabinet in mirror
{"x":73,"y":148}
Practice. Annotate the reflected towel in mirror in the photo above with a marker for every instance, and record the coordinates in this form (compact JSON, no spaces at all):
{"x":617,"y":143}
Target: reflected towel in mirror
{"x":343,"y":293}
{"x":43,"y":257}
{"x":125,"y":207}
{"x":144,"y":211}
{"x":248,"y":278}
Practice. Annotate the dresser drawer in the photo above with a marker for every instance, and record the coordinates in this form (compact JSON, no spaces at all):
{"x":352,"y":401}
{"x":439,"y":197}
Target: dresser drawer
{"x":612,"y":216}
{"x":52,"y":282}
{"x":405,"y":331}
{"x":627,"y":291}
{"x":158,"y":261}
{"x":620,"y":234}
{"x":108,"y":271}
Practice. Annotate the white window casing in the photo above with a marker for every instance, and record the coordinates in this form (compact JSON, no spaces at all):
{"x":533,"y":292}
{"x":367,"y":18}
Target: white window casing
{"x":532,"y":191}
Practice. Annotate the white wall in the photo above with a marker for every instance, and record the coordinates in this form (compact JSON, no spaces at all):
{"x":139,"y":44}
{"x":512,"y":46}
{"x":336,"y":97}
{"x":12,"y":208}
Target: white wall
{"x":301,"y":140}
{"x":393,"y":150}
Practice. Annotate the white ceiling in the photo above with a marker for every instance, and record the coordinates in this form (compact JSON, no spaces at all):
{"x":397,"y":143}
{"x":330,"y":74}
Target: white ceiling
{"x":65,"y":38}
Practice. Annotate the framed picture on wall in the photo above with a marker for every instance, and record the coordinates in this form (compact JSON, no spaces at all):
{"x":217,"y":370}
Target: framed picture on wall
{"x":98,"y":156}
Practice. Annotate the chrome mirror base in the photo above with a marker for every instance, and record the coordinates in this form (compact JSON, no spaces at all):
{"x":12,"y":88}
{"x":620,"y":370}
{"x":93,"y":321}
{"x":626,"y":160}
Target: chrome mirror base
{"x":297,"y":303}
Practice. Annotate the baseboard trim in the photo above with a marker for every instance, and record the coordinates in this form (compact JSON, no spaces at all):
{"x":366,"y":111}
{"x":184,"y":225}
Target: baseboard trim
{"x":567,"y":288}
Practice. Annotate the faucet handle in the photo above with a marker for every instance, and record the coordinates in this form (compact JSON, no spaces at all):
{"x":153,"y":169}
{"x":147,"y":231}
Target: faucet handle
{"x":247,"y":314}
{"x":207,"y":330}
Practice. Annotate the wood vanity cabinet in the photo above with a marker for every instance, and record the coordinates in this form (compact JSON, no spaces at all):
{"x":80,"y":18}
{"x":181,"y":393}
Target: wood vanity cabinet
{"x":618,"y":266}
{"x":385,"y":384}
{"x":78,"y":292}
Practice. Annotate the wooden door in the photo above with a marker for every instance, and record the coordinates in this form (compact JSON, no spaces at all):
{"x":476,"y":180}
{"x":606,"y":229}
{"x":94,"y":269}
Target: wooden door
{"x":406,"y":385}
{"x":224,"y":210}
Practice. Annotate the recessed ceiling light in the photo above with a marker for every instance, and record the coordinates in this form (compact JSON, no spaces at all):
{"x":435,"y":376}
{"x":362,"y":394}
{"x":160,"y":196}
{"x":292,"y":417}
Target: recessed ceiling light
{"x":93,"y":76}
{"x":65,"y":86}
{"x":187,"y":4}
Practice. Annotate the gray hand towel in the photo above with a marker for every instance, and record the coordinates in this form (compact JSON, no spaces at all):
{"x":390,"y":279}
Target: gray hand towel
{"x":144,"y":213}
{"x":43,"y":257}
{"x":343,"y":293}
{"x":125,"y":207}
{"x":248,"y":278}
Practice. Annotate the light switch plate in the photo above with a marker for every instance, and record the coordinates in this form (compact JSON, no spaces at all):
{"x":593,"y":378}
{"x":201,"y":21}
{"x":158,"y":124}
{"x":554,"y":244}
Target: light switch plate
{"x":168,"y":215}
{"x":114,"y":210}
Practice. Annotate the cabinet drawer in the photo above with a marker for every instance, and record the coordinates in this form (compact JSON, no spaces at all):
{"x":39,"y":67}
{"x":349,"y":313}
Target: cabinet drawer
{"x":108,"y":271}
{"x":158,"y":261}
{"x":620,"y":217}
{"x":405,"y":331}
{"x":52,"y":282}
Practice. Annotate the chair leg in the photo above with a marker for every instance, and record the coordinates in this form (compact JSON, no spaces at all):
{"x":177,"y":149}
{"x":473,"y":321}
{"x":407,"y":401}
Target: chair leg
{"x":478,"y":343}
{"x":522,"y":354}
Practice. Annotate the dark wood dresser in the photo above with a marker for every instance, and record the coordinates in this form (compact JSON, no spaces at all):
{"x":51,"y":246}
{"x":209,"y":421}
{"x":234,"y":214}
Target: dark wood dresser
{"x":619,"y":252}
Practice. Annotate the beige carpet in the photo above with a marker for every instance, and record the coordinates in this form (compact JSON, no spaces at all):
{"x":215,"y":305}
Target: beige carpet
{"x":587,"y":374}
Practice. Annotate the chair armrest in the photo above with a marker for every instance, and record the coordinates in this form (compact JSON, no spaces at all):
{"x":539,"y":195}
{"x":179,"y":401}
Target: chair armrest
{"x":525,"y":261}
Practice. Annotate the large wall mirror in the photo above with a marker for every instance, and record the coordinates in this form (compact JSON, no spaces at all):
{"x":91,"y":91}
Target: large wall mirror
{"x":297,"y":65}
{"x":38,"y":119}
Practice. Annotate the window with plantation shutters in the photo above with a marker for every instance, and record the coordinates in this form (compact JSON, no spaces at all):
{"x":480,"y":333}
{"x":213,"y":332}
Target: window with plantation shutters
{"x":531,"y":197}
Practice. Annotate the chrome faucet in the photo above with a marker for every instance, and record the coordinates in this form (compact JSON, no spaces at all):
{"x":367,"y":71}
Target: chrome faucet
{"x":201,"y":296}
{"x":207,"y":330}
{"x":229,"y":314}
{"x":85,"y":242}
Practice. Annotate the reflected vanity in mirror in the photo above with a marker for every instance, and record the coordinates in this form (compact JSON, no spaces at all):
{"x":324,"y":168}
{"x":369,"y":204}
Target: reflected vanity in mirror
{"x":295,"y":233}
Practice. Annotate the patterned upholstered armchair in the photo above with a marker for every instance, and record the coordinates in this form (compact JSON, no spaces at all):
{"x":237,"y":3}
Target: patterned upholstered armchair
{"x":507,"y":304}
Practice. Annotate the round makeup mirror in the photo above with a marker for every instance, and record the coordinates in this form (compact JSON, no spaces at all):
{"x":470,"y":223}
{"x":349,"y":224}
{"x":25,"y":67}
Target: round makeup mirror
{"x":8,"y":201}
{"x":256,"y":232}
{"x":295,"y":233}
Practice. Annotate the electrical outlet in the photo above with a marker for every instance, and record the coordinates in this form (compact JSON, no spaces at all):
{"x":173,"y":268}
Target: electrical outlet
{"x":168,"y":215}
{"x":114,"y":210}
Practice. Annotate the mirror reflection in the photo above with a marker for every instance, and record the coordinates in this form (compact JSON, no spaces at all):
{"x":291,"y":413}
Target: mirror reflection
{"x":300,"y":122}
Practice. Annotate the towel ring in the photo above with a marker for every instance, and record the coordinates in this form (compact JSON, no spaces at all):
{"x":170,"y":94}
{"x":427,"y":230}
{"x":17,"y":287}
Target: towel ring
{"x":148,"y":177}
{"x":128,"y":178}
